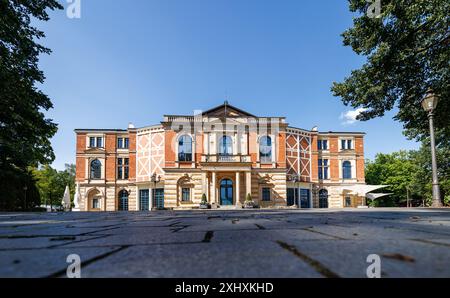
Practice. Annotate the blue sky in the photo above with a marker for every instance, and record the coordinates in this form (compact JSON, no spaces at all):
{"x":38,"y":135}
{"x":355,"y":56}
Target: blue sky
{"x":133,"y":61}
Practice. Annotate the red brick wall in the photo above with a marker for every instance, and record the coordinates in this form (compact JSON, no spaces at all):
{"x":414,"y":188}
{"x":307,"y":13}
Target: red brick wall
{"x":169,"y":152}
{"x":281,"y":150}
{"x":80,"y":165}
{"x":132,"y":157}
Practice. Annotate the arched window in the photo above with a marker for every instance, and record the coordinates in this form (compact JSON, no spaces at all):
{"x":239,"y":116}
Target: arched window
{"x":265,"y":149}
{"x":185,"y":148}
{"x":96,"y":169}
{"x":323,"y":198}
{"x":226,"y":146}
{"x":123,"y":200}
{"x":346,"y":170}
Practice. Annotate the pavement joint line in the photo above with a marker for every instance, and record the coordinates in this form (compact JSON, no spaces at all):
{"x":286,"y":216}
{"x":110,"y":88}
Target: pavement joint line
{"x":320,"y":268}
{"x":325,"y":234}
{"x":84,"y":264}
{"x":77,"y":241}
{"x":431,"y":242}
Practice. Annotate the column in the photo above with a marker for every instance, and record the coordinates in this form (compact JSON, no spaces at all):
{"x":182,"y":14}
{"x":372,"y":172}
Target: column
{"x":213,"y":190}
{"x":248,"y":183}
{"x":237,"y":188}
{"x":204,"y":186}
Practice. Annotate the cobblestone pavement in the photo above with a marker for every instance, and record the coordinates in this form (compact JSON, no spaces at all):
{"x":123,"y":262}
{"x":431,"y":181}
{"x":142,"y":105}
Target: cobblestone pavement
{"x":231,"y":243}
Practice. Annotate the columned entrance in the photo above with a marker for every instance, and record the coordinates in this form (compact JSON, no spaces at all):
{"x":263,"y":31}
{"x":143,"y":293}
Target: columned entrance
{"x":226,"y":192}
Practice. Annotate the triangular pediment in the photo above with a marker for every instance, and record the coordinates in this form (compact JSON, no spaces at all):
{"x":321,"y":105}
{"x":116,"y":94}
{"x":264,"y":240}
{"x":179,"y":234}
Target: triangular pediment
{"x":226,"y":110}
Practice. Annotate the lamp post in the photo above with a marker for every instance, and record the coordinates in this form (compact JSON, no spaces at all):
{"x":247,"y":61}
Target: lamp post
{"x":429,"y":104}
{"x":155,"y":179}
{"x":25,"y":188}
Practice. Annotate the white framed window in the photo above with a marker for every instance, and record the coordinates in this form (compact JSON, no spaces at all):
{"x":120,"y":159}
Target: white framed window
{"x":346,"y":144}
{"x":96,"y":142}
{"x":123,"y":168}
{"x":96,"y":203}
{"x":323,"y":169}
{"x":185,"y":194}
{"x":322,"y":144}
{"x":123,"y":143}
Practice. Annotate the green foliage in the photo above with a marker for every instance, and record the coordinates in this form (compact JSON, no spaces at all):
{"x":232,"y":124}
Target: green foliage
{"x":24,"y":131}
{"x":248,"y":198}
{"x":408,"y":170}
{"x":204,"y":200}
{"x":407,"y":50}
{"x":51,"y":183}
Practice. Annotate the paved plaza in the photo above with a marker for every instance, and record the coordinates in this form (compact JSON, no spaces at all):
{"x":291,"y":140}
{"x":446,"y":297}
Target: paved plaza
{"x":228,"y":243}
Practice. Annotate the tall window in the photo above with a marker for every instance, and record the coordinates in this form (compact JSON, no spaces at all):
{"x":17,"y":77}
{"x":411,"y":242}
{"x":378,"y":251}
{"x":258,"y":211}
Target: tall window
{"x":95,"y":142}
{"x":185,"y":148}
{"x":322,"y":144}
{"x":226,"y":146}
{"x":123,"y":168}
{"x":266,"y":193}
{"x":346,"y":170}
{"x":96,"y":169}
{"x":123,"y":143}
{"x":144,"y":199}
{"x":265,"y":149}
{"x":323,"y":169}
{"x":123,"y":200}
{"x":346,"y":144}
{"x":186,"y":194}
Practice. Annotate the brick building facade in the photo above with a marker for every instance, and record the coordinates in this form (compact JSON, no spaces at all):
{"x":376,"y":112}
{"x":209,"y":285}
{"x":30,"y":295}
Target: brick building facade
{"x":224,"y":153}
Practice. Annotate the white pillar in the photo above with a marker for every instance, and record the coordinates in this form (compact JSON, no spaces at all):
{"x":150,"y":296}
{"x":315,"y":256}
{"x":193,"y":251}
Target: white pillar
{"x":213,"y":191}
{"x":248,"y":183}
{"x":237,"y":188}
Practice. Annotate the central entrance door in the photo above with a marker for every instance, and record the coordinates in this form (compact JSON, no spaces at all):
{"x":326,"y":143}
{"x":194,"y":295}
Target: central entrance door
{"x":226,"y":192}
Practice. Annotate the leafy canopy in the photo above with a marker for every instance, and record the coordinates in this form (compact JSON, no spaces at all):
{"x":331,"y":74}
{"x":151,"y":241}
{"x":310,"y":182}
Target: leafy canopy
{"x":25,"y":132}
{"x":408,"y":51}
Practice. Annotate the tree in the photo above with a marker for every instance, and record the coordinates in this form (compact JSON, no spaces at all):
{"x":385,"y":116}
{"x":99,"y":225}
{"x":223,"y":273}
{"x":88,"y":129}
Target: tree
{"x":52,"y":183}
{"x":24,"y":131}
{"x":409,"y":170}
{"x":408,"y":51}
{"x":396,"y":170}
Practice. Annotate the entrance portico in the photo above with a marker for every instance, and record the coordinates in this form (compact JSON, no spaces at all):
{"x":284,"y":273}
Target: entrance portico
{"x":223,"y":185}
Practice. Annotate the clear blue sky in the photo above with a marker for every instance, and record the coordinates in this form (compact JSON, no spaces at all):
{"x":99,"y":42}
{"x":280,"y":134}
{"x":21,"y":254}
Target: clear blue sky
{"x":137,"y":60}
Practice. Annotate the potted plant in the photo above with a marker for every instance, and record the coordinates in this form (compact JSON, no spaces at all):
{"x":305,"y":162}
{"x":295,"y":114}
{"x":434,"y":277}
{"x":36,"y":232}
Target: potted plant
{"x":204,"y":202}
{"x":249,"y":203}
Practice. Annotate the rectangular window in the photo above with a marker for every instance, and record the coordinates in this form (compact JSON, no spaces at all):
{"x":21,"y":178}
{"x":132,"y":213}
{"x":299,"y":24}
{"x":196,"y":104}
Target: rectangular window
{"x":346,"y":144}
{"x":319,"y":145}
{"x":186,"y":194}
{"x":95,"y":203}
{"x":144,"y":199}
{"x":324,"y":145}
{"x":122,"y":143}
{"x":122,"y":168}
{"x":92,"y":142}
{"x":266,"y":194}
{"x":99,"y":142}
{"x":323,"y":169}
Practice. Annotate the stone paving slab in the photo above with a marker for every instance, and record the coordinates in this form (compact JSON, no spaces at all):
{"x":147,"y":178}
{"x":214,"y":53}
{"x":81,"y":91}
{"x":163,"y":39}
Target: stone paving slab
{"x":231,"y":243}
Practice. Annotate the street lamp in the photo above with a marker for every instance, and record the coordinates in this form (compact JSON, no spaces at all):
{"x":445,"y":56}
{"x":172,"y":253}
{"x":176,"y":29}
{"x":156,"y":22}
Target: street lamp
{"x":25,"y":188}
{"x":155,"y":179}
{"x":429,"y":104}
